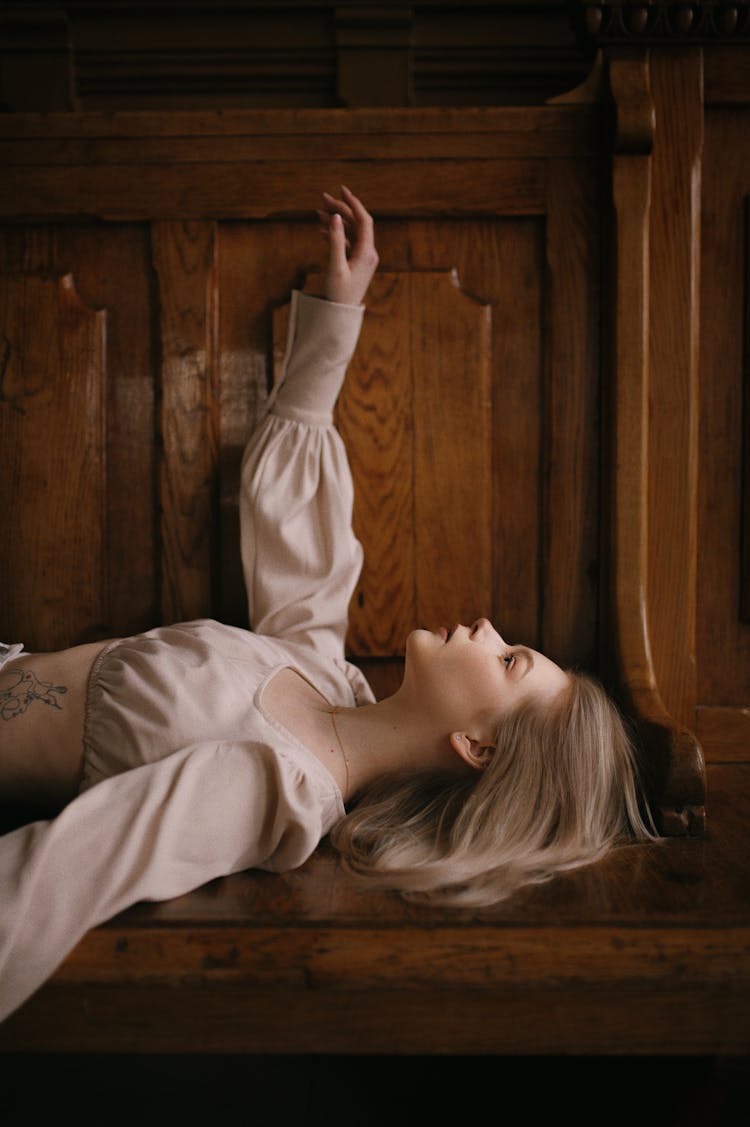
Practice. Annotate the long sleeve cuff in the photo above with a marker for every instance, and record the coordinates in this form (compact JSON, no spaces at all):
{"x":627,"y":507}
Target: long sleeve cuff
{"x":321,"y":341}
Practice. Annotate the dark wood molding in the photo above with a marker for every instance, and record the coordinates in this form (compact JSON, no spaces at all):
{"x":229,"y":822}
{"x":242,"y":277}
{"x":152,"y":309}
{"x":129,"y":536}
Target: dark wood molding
{"x":245,"y":53}
{"x":36,"y":59}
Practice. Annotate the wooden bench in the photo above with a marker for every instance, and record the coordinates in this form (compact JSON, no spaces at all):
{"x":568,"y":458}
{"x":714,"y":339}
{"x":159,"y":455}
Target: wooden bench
{"x":648,"y":953}
{"x":529,"y":285}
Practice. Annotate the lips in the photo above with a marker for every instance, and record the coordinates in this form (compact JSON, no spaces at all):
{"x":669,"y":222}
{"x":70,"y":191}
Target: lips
{"x":448,"y":634}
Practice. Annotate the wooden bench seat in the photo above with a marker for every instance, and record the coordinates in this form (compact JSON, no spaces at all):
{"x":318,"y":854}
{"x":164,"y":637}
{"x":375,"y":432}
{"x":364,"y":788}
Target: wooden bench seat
{"x":648,"y":953}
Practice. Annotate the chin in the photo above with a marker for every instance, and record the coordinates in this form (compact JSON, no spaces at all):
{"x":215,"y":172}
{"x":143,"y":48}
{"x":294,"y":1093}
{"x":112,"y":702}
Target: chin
{"x":421,"y":635}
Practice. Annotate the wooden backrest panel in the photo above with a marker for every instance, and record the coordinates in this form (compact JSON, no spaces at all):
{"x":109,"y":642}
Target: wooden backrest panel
{"x":472,"y":408}
{"x":78,"y":556}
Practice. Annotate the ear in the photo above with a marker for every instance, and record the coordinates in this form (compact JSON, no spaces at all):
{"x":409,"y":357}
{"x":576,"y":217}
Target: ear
{"x":476,"y":755}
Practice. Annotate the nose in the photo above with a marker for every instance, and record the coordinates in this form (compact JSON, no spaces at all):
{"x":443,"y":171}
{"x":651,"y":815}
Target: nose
{"x":483,"y":628}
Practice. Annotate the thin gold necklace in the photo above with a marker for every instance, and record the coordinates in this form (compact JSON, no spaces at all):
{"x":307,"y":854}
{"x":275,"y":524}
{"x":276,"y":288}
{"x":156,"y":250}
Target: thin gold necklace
{"x":343,"y":753}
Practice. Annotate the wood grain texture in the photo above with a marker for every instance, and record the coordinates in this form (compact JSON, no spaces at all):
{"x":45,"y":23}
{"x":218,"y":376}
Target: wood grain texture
{"x":724,"y":733}
{"x":525,"y":130}
{"x":745,"y":470}
{"x":723,"y":639}
{"x":450,"y":335}
{"x":52,"y":404}
{"x":415,"y":413}
{"x":111,"y":267}
{"x":128,"y":192}
{"x":674,"y":312}
{"x":674,"y":755}
{"x":375,"y":416}
{"x":111,"y":270}
{"x":183,"y":256}
{"x":571,"y":418}
{"x":500,"y":262}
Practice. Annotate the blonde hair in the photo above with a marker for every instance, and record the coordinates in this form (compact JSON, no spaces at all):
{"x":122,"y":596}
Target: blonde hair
{"x":561,"y":790}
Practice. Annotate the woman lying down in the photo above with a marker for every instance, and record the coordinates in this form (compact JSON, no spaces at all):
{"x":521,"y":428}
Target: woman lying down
{"x":198,"y":750}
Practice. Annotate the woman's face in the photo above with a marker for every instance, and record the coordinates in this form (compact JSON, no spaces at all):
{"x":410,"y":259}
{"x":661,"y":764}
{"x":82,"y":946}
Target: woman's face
{"x":471,"y":671}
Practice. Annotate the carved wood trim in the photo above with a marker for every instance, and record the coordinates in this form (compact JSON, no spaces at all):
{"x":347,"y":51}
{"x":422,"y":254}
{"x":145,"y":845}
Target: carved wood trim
{"x":675,"y":756}
{"x":161,"y":166}
{"x":135,"y":54}
{"x":662,"y":22}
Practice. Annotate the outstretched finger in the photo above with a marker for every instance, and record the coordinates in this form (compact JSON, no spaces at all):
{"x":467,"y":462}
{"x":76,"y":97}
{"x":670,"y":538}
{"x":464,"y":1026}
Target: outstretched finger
{"x":338,"y":207}
{"x":337,"y":245}
{"x":324,"y":227}
{"x":362,"y":218}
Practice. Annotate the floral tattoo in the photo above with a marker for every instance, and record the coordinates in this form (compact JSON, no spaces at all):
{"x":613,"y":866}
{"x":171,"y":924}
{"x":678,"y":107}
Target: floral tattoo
{"x":20,"y":688}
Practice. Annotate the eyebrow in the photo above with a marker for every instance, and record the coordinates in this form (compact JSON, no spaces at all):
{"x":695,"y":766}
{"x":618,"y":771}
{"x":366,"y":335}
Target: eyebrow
{"x":529,"y":662}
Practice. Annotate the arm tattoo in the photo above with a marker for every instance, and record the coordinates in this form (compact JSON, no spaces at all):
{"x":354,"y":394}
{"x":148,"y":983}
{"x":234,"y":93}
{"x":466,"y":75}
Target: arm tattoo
{"x":20,"y":688}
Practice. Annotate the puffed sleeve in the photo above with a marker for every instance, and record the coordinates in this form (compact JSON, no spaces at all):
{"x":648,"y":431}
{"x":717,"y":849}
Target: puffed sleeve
{"x":204,"y":812}
{"x":300,"y":557}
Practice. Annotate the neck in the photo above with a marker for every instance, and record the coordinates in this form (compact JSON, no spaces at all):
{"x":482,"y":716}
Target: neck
{"x":381,"y":738}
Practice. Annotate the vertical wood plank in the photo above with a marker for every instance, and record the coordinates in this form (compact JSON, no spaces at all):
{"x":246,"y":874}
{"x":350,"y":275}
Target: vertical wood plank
{"x":53,"y":469}
{"x":570,"y":563}
{"x":676,"y":759}
{"x":111,"y":265}
{"x":723,"y":639}
{"x":499,"y":261}
{"x":184,"y":260}
{"x":517,"y":433}
{"x":745,"y":471}
{"x":676,"y":84}
{"x":450,"y":336}
{"x":375,"y":420}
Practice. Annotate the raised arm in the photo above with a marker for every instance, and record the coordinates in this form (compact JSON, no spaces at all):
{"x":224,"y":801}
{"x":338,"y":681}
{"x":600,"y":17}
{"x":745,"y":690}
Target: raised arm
{"x":300,"y":557}
{"x":352,"y":257}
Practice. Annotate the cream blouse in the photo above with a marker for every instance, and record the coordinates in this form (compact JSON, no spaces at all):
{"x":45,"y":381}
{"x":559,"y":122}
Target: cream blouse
{"x":186,"y":777}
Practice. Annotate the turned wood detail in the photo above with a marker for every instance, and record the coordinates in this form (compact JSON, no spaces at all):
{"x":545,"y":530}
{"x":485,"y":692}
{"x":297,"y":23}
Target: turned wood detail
{"x":616,"y":22}
{"x":674,"y":753}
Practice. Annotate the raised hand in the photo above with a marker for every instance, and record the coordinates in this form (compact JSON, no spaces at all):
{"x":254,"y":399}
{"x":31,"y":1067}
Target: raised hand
{"x":352,"y":257}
